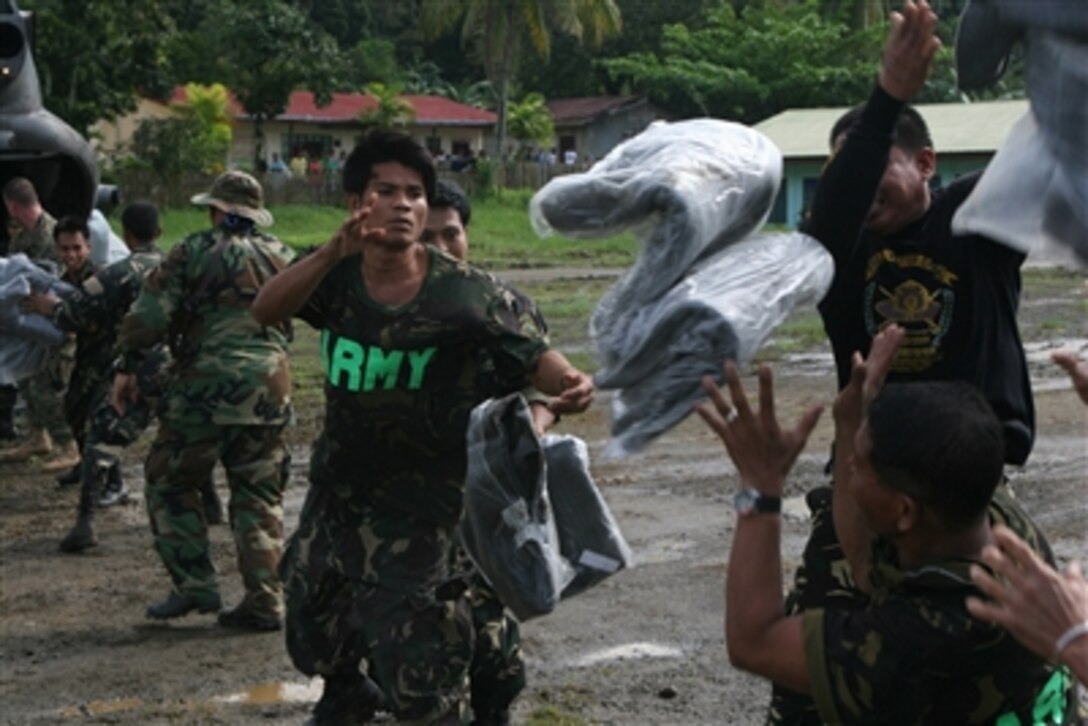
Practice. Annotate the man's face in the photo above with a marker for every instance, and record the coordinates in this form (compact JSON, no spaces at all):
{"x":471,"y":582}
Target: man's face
{"x":73,"y":250}
{"x":903,"y":194}
{"x":445,"y":231}
{"x":878,"y":503}
{"x":397,"y":201}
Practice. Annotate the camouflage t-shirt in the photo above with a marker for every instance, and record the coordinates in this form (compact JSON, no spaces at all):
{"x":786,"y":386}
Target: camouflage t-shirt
{"x":36,"y":243}
{"x":916,"y":656}
{"x":401,"y":382}
{"x":229,"y":369}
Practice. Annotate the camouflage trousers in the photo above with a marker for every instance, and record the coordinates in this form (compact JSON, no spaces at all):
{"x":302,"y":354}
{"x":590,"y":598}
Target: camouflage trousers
{"x":374,"y":586}
{"x":44,"y":394}
{"x":82,"y":398}
{"x":497,"y":671}
{"x":108,"y":432}
{"x":823,"y":580}
{"x":256,"y":461}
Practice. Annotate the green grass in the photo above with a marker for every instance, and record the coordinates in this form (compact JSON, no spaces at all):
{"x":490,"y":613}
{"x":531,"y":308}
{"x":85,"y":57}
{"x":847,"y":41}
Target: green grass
{"x":500,"y":233}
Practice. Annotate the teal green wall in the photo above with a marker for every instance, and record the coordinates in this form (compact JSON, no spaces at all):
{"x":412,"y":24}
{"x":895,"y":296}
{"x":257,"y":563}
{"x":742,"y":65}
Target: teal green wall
{"x":791,"y":203}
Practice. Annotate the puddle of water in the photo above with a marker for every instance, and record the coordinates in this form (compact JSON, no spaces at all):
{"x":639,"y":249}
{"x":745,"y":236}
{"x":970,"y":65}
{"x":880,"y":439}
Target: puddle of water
{"x":101,"y":708}
{"x":266,"y":694}
{"x":628,"y":651}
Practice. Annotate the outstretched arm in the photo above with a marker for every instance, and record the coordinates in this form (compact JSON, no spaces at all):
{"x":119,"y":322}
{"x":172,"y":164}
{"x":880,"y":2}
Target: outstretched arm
{"x":1045,"y":610}
{"x":866,"y":380}
{"x":556,"y":376}
{"x":284,"y":294}
{"x":759,"y":635}
{"x":1077,"y":370}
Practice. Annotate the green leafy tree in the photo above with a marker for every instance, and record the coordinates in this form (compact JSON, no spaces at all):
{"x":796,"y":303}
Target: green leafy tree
{"x":207,"y":108}
{"x":372,"y":60}
{"x":499,"y":32}
{"x":749,"y":66}
{"x":92,"y":57}
{"x":262,"y":50}
{"x":531,"y":121}
{"x":392,"y":110}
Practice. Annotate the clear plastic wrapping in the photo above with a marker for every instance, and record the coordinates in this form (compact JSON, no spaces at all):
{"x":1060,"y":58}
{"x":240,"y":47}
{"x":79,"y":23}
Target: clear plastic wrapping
{"x":535,"y":524}
{"x":25,"y":338}
{"x":688,"y":189}
{"x":725,"y":309}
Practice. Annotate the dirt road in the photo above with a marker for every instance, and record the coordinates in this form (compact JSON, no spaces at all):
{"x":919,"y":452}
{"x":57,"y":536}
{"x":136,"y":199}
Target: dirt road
{"x":645,"y":647}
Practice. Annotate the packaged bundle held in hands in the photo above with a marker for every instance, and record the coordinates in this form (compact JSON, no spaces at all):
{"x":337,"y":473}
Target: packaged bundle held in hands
{"x":535,"y":524}
{"x":25,"y":338}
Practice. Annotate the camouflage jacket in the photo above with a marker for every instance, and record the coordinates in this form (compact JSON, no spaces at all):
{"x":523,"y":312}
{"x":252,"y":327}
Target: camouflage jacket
{"x":37,"y":243}
{"x":916,"y":656}
{"x":228,"y":369}
{"x":95,"y":310}
{"x":401,"y":382}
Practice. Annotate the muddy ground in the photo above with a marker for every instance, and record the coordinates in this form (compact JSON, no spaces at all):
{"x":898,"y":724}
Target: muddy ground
{"x":645,"y":647}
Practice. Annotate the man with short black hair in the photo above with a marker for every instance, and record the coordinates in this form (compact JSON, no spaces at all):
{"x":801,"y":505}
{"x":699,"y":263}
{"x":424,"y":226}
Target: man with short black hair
{"x":925,"y":475}
{"x":412,"y":340}
{"x":94,"y":313}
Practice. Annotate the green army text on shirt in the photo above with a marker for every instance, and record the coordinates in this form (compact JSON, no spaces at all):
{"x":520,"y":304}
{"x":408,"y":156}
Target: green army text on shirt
{"x":401,"y":382}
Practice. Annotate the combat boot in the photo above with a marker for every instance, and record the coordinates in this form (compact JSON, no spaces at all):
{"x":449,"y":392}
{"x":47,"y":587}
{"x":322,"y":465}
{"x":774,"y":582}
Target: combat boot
{"x":81,"y":537}
{"x":62,"y":458}
{"x":175,"y":606}
{"x":37,"y":443}
{"x":348,"y":699}
{"x":70,"y":477}
{"x":213,"y":505}
{"x":114,"y":491}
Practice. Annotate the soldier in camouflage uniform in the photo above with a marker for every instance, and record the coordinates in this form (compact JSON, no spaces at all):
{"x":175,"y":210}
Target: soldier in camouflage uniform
{"x":412,"y":340}
{"x":228,"y":400}
{"x":94,"y":312}
{"x":927,"y":462}
{"x":497,"y":672}
{"x":91,"y":359}
{"x":43,"y":391}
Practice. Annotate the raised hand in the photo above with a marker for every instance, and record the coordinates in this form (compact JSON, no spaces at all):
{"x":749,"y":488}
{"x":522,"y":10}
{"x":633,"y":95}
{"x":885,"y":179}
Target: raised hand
{"x":761,"y":450}
{"x":909,"y":50}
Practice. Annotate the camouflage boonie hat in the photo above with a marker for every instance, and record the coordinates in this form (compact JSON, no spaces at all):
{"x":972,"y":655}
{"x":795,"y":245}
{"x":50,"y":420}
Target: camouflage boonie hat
{"x":236,"y":192}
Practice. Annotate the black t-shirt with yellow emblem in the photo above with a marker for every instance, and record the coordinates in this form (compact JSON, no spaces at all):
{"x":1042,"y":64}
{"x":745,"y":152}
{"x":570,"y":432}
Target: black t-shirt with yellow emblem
{"x":955,"y":296}
{"x":400,"y":382}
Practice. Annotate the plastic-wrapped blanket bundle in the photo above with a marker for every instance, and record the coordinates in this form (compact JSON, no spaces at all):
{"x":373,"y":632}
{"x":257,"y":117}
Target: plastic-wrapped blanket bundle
{"x":702,"y":290}
{"x":724,"y":310}
{"x":1035,"y":190}
{"x":25,"y":338}
{"x":534,"y":522}
{"x":688,"y":188}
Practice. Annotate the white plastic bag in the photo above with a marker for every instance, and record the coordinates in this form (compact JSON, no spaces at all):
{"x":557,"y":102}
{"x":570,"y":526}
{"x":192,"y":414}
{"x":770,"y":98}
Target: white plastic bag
{"x":25,"y":338}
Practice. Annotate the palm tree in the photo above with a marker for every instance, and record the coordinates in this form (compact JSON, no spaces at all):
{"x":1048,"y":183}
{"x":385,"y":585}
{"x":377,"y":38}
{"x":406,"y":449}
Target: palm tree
{"x":499,"y":32}
{"x":392,"y":110}
{"x":530,"y":120}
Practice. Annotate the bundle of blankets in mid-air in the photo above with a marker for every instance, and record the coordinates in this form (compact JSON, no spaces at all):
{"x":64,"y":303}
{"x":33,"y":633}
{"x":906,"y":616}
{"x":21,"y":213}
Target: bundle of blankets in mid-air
{"x":25,"y":338}
{"x":704,"y":288}
{"x":535,"y":523}
{"x":1035,"y":189}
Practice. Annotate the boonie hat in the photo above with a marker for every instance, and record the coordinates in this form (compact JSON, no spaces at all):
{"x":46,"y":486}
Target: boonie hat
{"x":236,"y":192}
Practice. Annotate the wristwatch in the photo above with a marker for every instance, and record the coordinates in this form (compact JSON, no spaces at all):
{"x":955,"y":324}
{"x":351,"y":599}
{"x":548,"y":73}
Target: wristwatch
{"x":749,"y":501}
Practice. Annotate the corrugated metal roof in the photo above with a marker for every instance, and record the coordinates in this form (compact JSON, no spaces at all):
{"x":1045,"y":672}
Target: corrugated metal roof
{"x":345,"y":107}
{"x":956,"y":127}
{"x":571,"y":111}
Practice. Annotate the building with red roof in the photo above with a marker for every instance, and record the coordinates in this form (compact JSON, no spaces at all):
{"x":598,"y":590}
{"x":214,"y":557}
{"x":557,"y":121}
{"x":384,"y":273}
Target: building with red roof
{"x":443,"y":125}
{"x":592,"y":126}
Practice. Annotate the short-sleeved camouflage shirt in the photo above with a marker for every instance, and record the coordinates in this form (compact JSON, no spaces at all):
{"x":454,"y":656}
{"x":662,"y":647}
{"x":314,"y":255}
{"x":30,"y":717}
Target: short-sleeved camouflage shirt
{"x":916,"y":656}
{"x":36,"y":243}
{"x":401,"y":382}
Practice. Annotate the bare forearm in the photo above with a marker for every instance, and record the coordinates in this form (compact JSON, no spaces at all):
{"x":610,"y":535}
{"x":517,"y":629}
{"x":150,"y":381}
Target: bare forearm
{"x":286,"y":293}
{"x":753,"y":587}
{"x":850,"y":528}
{"x":550,"y":370}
